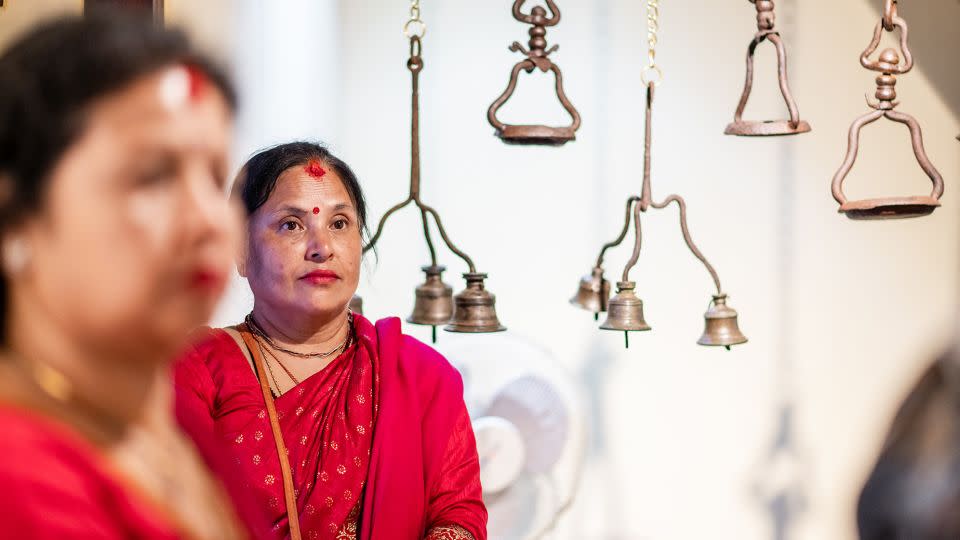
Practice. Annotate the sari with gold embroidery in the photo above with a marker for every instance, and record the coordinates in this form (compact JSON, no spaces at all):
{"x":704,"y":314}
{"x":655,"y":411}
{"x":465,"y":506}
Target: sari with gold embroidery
{"x":379,"y":442}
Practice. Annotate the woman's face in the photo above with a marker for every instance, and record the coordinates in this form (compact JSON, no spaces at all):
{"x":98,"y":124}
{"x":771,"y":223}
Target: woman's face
{"x":136,"y":236}
{"x":304,"y":249}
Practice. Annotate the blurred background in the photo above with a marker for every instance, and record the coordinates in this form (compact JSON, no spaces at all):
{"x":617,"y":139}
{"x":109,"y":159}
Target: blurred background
{"x":771,"y":440}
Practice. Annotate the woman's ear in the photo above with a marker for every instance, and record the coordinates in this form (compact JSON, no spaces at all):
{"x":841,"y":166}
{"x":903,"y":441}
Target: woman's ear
{"x":242,"y":258}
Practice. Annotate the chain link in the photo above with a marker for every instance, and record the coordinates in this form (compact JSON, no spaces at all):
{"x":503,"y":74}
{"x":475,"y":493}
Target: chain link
{"x":653,"y":25}
{"x":414,"y":27}
{"x":651,"y":73}
{"x":889,"y":14}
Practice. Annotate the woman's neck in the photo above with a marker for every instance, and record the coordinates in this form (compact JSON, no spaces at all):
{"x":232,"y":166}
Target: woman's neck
{"x":96,"y":386}
{"x":303,"y":334}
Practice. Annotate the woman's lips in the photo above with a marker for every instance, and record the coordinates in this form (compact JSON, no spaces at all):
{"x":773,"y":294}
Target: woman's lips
{"x":320,"y":277}
{"x":206,"y":279}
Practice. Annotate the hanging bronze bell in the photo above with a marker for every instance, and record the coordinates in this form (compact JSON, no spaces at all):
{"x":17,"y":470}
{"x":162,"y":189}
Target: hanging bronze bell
{"x":594,"y":292}
{"x":474,"y":308}
{"x":625,"y":310}
{"x":434,"y":302}
{"x":721,"y":325}
{"x":356,"y":304}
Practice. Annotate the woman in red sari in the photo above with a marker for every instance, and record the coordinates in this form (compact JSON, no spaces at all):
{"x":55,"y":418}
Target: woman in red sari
{"x":116,"y":240}
{"x":340,"y":427}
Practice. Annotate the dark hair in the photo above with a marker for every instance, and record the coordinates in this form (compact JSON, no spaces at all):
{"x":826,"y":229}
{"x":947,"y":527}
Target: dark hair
{"x":258,"y":177}
{"x":51,"y":76}
{"x":914,"y":489}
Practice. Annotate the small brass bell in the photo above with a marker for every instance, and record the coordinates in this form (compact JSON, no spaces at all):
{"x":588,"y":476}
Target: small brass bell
{"x":625,"y":312}
{"x":474,"y":310}
{"x":356,"y":304}
{"x":721,"y":325}
{"x":593,"y":294}
{"x":434,"y":303}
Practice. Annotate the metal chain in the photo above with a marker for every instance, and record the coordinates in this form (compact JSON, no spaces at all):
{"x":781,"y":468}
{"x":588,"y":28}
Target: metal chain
{"x":651,"y":73}
{"x":414,"y":27}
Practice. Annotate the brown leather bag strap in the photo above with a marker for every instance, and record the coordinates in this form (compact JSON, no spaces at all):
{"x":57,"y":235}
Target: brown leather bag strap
{"x":293,"y":516}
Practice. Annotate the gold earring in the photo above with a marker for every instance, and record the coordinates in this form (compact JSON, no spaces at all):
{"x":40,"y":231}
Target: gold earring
{"x":15,"y":254}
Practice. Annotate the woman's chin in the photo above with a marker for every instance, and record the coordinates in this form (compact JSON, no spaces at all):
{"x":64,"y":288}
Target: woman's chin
{"x":326,"y":310}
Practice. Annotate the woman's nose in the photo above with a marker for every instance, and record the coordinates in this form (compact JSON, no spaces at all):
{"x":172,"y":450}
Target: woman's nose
{"x":320,"y":248}
{"x":208,"y":211}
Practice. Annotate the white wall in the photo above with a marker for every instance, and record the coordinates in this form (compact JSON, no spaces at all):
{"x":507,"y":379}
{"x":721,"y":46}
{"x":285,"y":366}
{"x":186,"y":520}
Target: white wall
{"x":841,"y":315}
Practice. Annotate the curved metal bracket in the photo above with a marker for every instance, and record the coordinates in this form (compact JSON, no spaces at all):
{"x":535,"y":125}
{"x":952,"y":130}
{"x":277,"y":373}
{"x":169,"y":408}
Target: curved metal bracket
{"x":794,"y":125}
{"x":537,"y":18}
{"x":682,"y":205}
{"x":534,"y":134}
{"x":889,"y":67}
{"x":888,"y":207}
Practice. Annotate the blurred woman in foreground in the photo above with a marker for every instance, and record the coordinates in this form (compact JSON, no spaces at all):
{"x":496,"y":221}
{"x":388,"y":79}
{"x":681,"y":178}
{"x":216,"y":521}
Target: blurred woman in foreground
{"x":115,"y":240}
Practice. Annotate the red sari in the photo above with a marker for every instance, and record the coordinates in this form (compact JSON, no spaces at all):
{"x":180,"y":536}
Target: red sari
{"x":57,"y":485}
{"x":379,"y":441}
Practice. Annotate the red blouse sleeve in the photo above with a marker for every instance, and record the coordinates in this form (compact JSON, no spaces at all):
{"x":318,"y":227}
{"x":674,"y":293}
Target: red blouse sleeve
{"x":196,"y":407}
{"x":195,"y":392}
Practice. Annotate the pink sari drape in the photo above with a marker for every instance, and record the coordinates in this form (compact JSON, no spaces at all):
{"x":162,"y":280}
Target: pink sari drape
{"x":379,"y":442}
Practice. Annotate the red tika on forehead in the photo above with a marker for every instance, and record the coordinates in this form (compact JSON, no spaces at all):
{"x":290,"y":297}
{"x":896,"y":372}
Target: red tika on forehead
{"x":315,"y":169}
{"x":198,"y":81}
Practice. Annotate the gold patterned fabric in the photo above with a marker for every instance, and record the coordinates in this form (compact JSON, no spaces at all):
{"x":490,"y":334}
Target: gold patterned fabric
{"x":349,"y":529}
{"x":449,"y":532}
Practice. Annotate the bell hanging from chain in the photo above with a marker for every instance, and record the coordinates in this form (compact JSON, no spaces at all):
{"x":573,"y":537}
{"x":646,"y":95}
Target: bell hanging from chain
{"x":721,"y":327}
{"x":356,"y":304}
{"x":593,"y":294}
{"x":474,"y":308}
{"x":625,"y":312}
{"x":434,"y":301}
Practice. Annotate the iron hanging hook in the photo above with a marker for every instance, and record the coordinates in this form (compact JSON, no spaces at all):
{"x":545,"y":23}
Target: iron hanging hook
{"x":537,"y":57}
{"x":884,"y":64}
{"x":889,"y":65}
{"x":537,"y":17}
{"x":766,"y":22}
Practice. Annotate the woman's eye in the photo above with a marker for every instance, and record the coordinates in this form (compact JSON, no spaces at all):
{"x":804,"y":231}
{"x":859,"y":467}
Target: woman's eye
{"x":289,"y":225}
{"x":156,"y":176}
{"x":340,"y":224}
{"x":157,"y":172}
